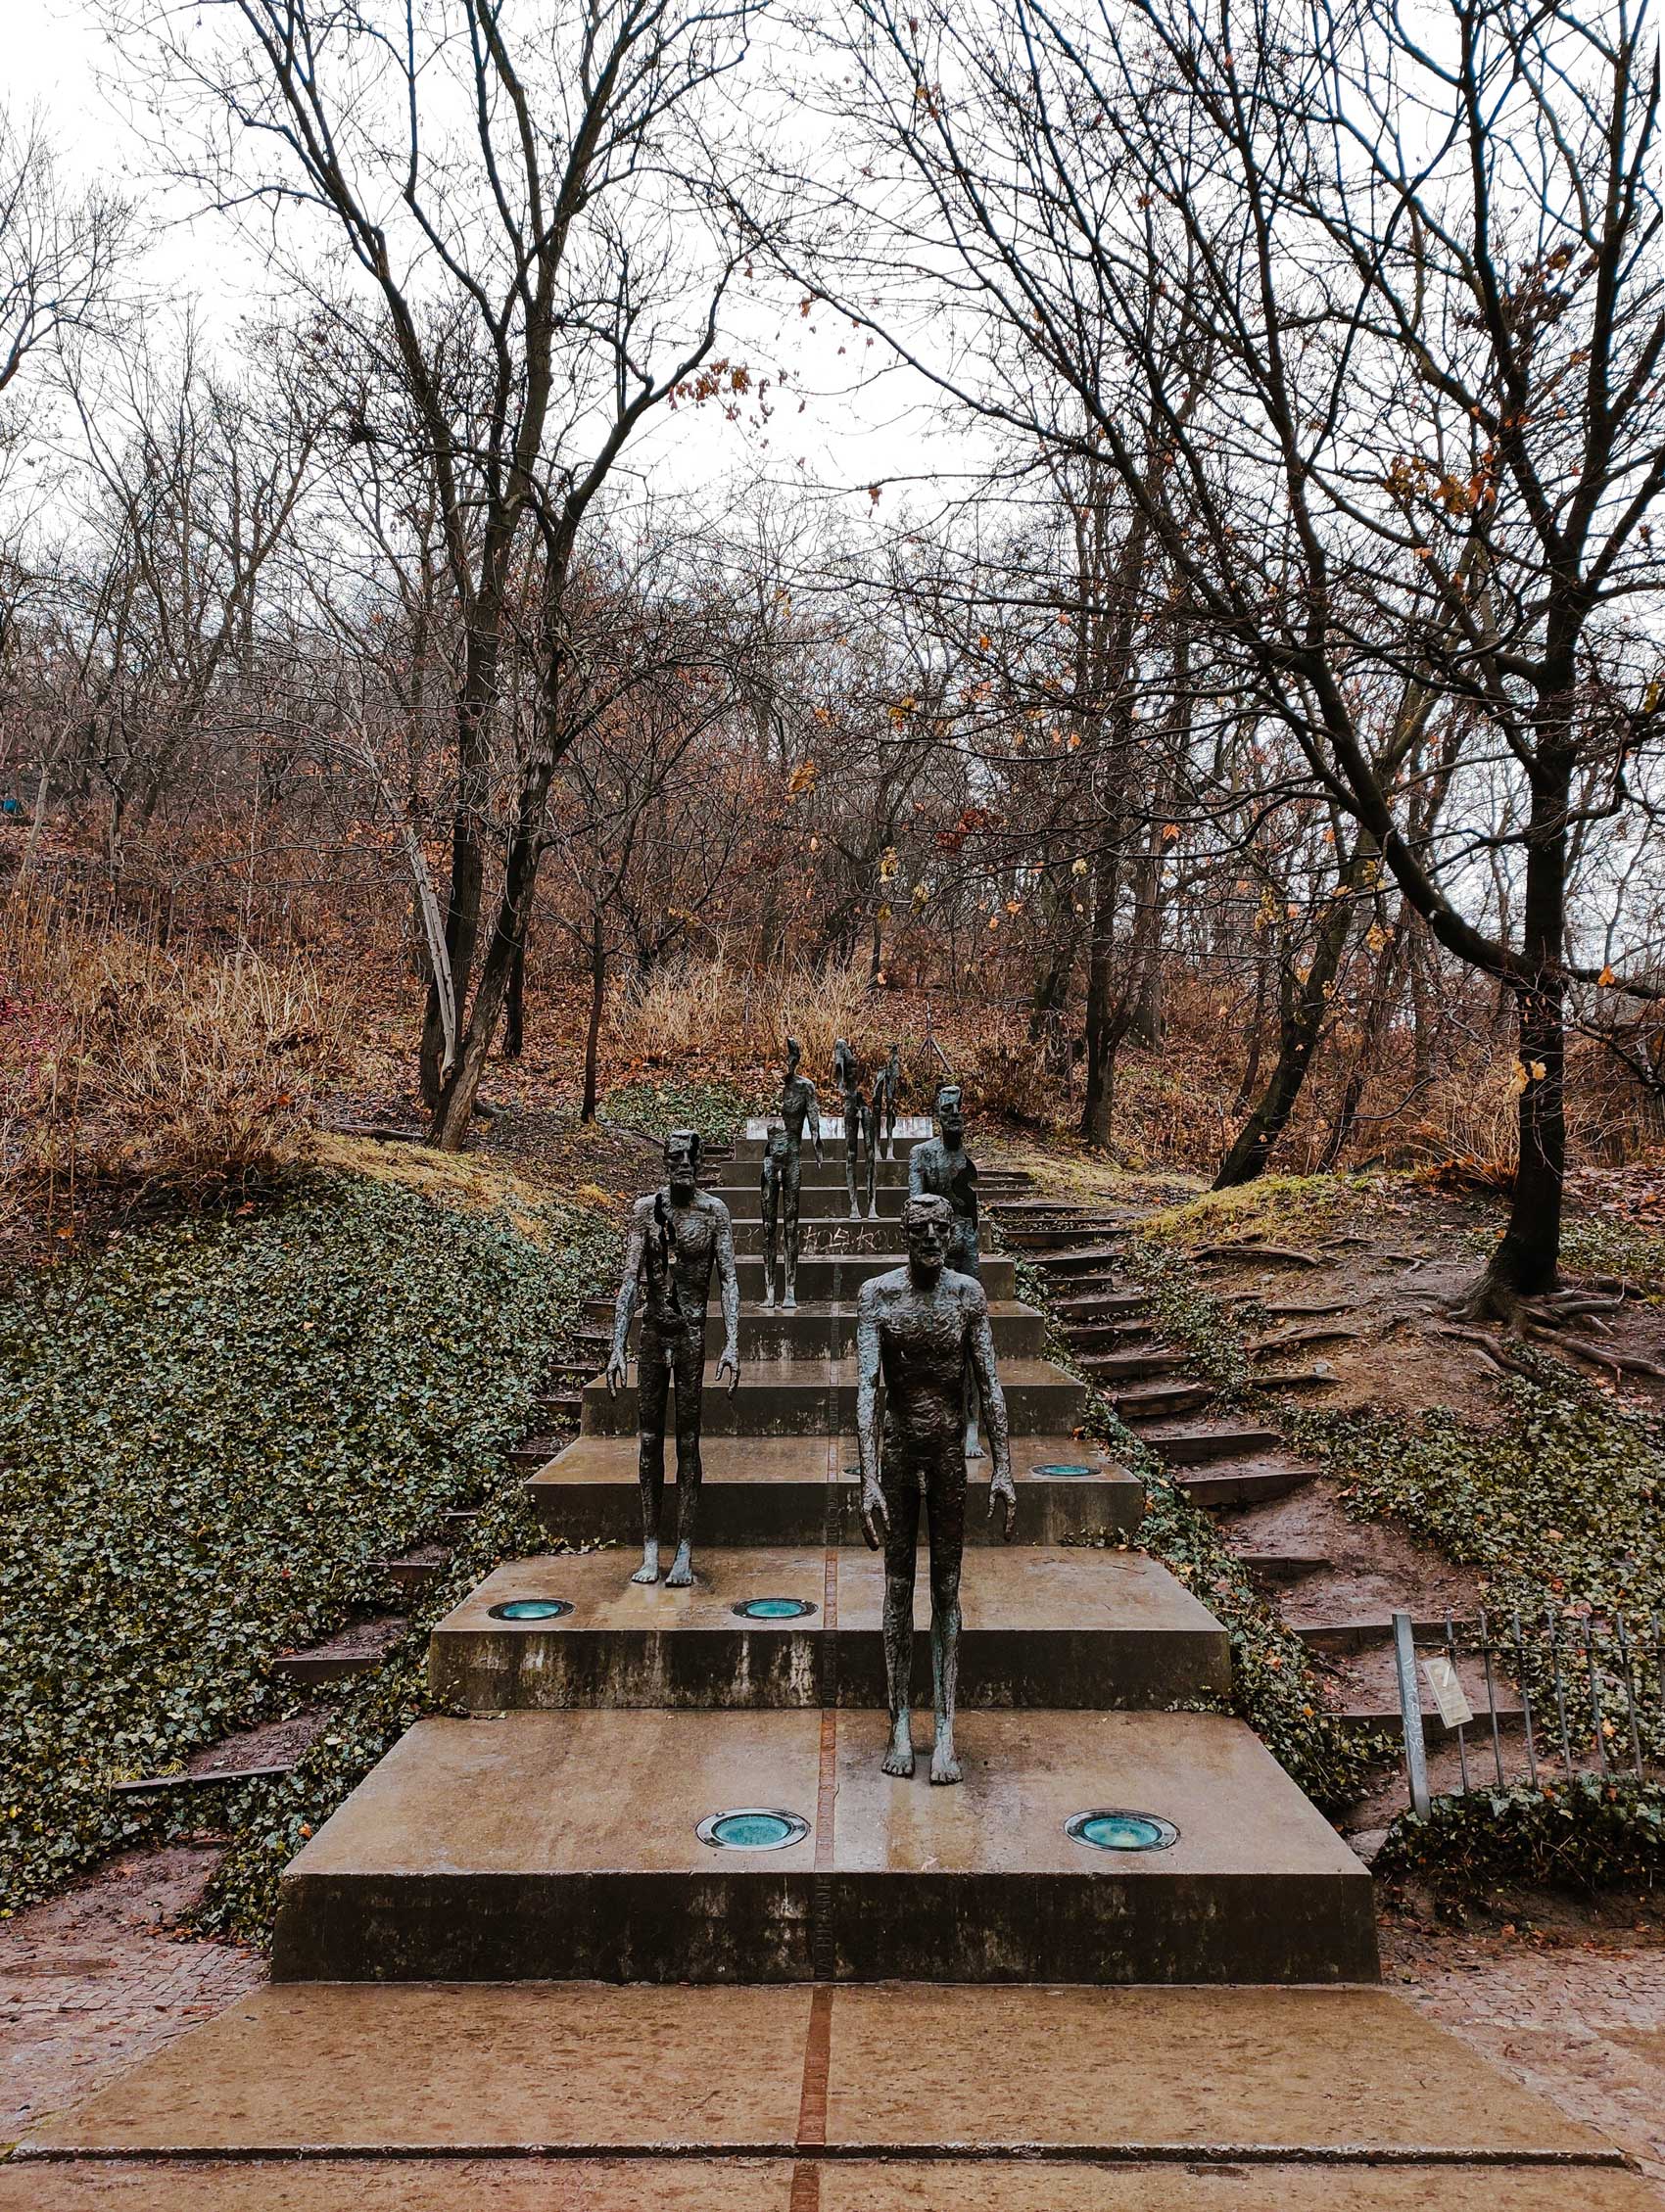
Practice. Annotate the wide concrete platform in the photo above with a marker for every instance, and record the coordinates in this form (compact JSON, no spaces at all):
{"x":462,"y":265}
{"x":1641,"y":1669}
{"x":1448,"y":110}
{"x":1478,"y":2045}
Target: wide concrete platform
{"x":829,"y":1331}
{"x":565,"y":1844}
{"x":801,"y":1397}
{"x":1019,"y":2184}
{"x":803,"y":1490}
{"x":1081,"y":2097}
{"x":824,"y":1277}
{"x":1041,"y":1627}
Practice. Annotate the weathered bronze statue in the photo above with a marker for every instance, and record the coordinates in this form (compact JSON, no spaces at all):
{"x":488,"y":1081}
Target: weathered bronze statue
{"x":779,"y":1162}
{"x":887,"y":1091}
{"x":800,"y":1110}
{"x":858,"y":1125}
{"x":677,"y":1235}
{"x":920,"y":1327}
{"x":942,"y":1165}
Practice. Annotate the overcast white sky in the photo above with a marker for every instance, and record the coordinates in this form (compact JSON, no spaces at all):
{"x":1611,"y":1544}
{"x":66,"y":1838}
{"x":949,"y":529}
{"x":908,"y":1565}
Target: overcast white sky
{"x":56,"y":61}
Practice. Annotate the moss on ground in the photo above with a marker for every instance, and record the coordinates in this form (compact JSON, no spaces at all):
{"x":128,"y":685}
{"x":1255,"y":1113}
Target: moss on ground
{"x":1600,"y":1244}
{"x":268,"y":1822}
{"x":210,"y":1431}
{"x":715,"y":1108}
{"x":1593,"y":1832}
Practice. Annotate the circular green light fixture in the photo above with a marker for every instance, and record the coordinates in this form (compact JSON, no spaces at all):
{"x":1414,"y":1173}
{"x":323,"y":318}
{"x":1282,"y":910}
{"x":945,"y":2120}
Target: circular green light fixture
{"x":530,"y":1609}
{"x":1113,"y":1829}
{"x":774,"y":1609}
{"x":752,"y":1827}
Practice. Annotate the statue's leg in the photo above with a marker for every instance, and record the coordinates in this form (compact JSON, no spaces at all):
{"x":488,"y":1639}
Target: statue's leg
{"x":790,"y":1201}
{"x":872,"y":1133}
{"x":652,"y":1378}
{"x":690,"y":1381}
{"x":889,"y":1130}
{"x":945,"y":1503}
{"x":770,"y":1218}
{"x":901,"y":1559}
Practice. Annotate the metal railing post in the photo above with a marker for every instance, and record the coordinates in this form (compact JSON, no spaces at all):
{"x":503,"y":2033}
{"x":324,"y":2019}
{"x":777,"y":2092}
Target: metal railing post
{"x":1410,"y":1710}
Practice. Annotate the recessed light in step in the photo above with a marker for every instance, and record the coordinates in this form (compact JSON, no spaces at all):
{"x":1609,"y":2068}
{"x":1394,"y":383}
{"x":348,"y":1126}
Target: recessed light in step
{"x":751,"y":1828}
{"x":1112,"y":1828}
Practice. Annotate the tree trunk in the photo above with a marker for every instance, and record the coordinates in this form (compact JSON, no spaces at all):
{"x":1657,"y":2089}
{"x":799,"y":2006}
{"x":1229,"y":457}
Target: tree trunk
{"x":1301,"y":1019}
{"x":1527,"y":1254}
{"x":598,"y":996}
{"x":1257,"y":1029}
{"x":514,"y":1017}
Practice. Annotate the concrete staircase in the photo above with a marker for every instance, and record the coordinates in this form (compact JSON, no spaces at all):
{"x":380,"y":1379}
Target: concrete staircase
{"x":512,"y":1955}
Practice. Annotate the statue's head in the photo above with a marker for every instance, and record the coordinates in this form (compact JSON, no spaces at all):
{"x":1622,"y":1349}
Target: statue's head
{"x":682,"y":1162}
{"x":950,"y":1113}
{"x":794,"y":1052}
{"x":928,"y":1223}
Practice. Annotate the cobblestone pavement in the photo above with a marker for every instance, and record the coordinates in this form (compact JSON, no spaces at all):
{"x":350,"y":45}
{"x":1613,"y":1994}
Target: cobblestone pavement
{"x":1579,"y":2019}
{"x":93,"y":1981}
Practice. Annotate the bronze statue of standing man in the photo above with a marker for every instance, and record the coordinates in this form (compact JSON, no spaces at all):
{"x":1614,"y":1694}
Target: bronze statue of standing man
{"x":781,"y":1174}
{"x":920,"y":1327}
{"x":941,"y":1165}
{"x":677,"y":1236}
{"x":858,"y":1124}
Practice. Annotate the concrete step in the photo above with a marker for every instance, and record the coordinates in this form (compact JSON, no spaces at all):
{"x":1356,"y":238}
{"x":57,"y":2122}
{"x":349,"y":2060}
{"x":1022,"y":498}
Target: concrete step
{"x":1107,"y":1367}
{"x":810,"y":1396}
{"x":1102,"y":1305}
{"x":769,"y":1334}
{"x":828,"y":1279}
{"x":1279,"y":1567}
{"x":538,"y":1846}
{"x":1043,"y":1626}
{"x":593,"y":2099}
{"x":1190,"y":1447}
{"x":1076,"y":1260}
{"x":1052,"y":1239}
{"x":1158,"y":1401}
{"x":1367,"y":1635}
{"x":803,"y":1490}
{"x":1248,"y":1482}
{"x":418,"y":1571}
{"x":826,"y":1238}
{"x":1106,"y":1335}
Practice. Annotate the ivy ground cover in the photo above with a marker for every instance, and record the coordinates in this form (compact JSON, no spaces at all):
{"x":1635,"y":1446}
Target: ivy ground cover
{"x":207,"y":1434}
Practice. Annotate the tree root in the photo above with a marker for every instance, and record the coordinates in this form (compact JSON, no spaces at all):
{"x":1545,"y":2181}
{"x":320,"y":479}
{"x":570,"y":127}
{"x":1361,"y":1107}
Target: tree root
{"x":1494,"y":1351}
{"x":1599,"y":1355}
{"x":1280,"y":1255}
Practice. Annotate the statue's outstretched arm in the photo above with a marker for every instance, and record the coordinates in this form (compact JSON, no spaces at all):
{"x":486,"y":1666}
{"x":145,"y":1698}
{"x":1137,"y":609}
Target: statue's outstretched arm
{"x":729,"y":1290}
{"x":815,"y":1123}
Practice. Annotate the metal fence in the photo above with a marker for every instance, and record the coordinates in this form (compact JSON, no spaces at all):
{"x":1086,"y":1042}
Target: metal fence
{"x":1497,"y":1701}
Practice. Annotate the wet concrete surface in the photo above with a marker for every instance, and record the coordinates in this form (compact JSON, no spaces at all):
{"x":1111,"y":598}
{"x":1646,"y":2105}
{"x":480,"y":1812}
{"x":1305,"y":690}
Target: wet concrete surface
{"x":1041,"y":1626}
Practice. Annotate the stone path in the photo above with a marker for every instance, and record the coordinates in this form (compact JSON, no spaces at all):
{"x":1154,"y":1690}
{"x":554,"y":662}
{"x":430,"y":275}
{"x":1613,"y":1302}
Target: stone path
{"x":510,"y":1963}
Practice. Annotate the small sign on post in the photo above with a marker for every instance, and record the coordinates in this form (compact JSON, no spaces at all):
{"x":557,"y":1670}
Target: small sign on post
{"x":1447,"y":1691}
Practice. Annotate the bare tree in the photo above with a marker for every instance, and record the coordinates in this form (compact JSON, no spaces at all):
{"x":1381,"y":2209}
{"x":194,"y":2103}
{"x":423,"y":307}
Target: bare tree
{"x":1421,"y":262}
{"x":532,"y":268}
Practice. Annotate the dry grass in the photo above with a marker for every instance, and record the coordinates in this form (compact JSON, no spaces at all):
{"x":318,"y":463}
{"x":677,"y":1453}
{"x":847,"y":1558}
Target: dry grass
{"x":128,"y":1069}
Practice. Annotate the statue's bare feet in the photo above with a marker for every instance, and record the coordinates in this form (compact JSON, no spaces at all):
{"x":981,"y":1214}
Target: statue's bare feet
{"x":768,"y":1295}
{"x":681,"y":1576}
{"x":899,"y":1758}
{"x":975,"y":1450}
{"x":649,"y":1570}
{"x":789,"y":1303}
{"x":944,"y":1767}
